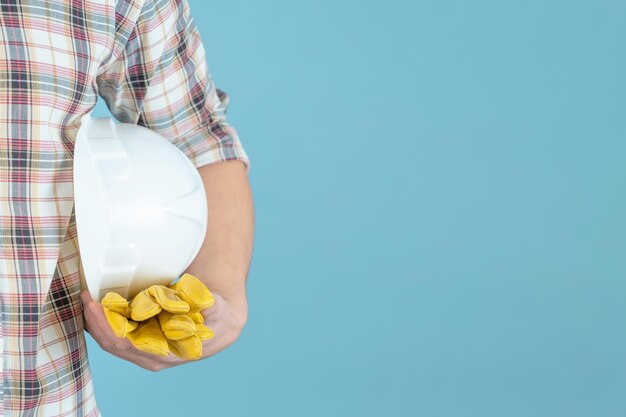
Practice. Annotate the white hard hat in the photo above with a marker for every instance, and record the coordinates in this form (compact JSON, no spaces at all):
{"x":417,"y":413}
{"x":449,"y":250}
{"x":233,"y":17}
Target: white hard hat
{"x":140,"y":207}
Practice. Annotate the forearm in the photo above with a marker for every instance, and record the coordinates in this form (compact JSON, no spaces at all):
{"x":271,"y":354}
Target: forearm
{"x":224,"y":258}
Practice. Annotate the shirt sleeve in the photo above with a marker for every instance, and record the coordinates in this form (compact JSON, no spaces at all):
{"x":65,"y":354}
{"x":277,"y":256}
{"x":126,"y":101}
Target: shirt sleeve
{"x":160,"y":79}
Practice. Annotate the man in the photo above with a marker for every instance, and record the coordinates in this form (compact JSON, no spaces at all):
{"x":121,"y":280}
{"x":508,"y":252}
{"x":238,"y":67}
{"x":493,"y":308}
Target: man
{"x":146,"y":59}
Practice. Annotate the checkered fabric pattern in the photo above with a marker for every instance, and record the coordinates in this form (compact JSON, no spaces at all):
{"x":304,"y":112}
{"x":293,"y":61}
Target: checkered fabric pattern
{"x":146,"y":59}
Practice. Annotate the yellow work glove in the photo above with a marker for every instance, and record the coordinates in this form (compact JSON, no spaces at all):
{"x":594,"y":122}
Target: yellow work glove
{"x":197,"y":317}
{"x":186,"y":332}
{"x":176,"y":326}
{"x":148,"y":337}
{"x":115,"y":302}
{"x":163,"y":319}
{"x":194,"y":292}
{"x":151,"y":301}
{"x":117,"y":313}
{"x":190,"y":348}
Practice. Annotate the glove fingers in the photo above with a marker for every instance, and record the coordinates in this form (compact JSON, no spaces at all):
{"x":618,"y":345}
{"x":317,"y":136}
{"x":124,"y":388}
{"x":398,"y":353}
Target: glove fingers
{"x":168,"y":299}
{"x":197,"y":317}
{"x":194,"y":292}
{"x":132,"y":326}
{"x":164,"y":318}
{"x":144,"y":306}
{"x":120,"y":324}
{"x":149,"y":338}
{"x":203,"y":332}
{"x":115,"y":302}
{"x":189,"y":348}
{"x":176,"y":326}
{"x":174,"y":349}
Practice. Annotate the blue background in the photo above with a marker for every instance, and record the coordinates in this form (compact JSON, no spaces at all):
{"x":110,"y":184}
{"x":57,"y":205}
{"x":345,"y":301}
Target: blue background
{"x":440,"y":206}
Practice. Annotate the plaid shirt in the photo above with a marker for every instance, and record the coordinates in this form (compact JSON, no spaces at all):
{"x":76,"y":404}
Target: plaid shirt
{"x":146,"y":59}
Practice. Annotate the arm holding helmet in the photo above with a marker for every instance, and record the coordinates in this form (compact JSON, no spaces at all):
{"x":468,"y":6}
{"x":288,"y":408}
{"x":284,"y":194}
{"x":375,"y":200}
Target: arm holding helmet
{"x":160,"y":79}
{"x":222,"y":264}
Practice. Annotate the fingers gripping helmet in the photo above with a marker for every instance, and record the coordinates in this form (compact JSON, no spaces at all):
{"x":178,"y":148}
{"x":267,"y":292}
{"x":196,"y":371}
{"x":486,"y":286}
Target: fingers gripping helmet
{"x":140,"y":207}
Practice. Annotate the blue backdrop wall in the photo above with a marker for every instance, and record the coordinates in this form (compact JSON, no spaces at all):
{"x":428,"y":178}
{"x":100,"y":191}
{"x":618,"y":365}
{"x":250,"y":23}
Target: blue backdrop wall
{"x":439,"y":190}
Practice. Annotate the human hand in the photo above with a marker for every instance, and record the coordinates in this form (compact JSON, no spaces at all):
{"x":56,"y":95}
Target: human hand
{"x":226,"y":318}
